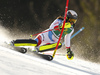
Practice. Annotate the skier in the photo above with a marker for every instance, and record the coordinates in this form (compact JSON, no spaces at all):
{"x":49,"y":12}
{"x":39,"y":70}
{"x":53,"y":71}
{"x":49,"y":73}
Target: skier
{"x":48,"y":40}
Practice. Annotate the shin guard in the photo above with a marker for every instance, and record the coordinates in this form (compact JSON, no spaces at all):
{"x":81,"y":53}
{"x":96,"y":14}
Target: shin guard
{"x":48,"y":47}
{"x":24,"y":42}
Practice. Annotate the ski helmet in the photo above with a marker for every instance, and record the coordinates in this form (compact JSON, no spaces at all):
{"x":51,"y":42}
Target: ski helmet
{"x":72,"y":16}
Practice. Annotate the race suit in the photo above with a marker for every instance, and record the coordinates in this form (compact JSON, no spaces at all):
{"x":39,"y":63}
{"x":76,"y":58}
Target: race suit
{"x":53,"y":36}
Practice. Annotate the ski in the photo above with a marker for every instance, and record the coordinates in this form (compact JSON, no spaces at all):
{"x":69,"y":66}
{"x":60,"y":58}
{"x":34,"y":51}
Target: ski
{"x":18,"y":49}
{"x":44,"y":56}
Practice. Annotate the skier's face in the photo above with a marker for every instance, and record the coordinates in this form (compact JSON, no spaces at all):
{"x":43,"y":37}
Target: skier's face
{"x":72,"y":23}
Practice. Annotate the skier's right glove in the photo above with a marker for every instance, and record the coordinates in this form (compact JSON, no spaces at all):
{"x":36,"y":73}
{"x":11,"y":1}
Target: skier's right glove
{"x":69,"y":54}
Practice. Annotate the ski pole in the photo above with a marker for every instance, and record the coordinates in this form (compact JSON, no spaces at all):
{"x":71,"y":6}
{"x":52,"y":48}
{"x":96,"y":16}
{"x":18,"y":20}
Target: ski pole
{"x":75,"y":34}
{"x":62,"y":28}
{"x":43,"y":32}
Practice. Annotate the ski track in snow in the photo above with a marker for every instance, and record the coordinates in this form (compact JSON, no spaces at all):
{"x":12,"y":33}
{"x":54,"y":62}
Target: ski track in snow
{"x":15,"y":63}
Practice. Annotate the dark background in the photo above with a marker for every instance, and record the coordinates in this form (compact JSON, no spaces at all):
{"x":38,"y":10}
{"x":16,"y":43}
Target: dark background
{"x":33,"y":16}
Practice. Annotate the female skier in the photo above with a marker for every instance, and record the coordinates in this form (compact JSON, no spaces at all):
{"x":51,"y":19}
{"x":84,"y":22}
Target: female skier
{"x":48,"y":40}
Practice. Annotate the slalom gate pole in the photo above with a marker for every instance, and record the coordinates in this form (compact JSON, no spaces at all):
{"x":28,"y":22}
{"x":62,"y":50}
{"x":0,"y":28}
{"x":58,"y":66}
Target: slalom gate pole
{"x":62,"y":28}
{"x":43,"y":32}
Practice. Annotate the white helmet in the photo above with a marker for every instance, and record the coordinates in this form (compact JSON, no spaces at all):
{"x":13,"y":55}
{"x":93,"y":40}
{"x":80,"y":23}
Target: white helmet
{"x":72,"y":14}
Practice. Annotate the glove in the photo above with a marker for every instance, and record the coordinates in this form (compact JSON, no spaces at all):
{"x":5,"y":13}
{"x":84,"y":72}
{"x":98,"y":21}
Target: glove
{"x":31,"y":36}
{"x":70,"y":54}
{"x":67,"y":25}
{"x":57,"y":28}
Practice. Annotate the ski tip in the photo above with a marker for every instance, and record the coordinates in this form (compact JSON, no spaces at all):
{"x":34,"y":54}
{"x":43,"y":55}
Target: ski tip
{"x":46,"y":57}
{"x":50,"y":58}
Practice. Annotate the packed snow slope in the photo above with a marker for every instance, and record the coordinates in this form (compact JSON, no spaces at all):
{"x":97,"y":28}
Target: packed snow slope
{"x":15,"y":63}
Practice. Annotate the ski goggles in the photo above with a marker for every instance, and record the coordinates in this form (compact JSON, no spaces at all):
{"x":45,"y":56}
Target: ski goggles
{"x":72,"y":20}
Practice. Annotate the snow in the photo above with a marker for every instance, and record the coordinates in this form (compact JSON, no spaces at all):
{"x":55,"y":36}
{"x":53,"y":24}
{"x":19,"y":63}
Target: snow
{"x":15,"y":63}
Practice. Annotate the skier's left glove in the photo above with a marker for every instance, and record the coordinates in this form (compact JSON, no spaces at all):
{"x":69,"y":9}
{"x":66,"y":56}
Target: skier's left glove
{"x":69,"y":54}
{"x":67,"y":25}
{"x":31,"y":36}
{"x":57,"y":28}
